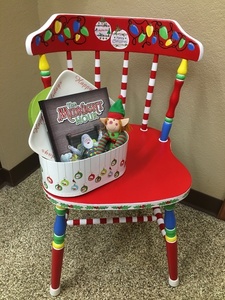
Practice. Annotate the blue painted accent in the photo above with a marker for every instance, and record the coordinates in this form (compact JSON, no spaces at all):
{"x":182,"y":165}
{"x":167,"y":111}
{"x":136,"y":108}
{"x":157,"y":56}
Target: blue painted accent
{"x":191,"y":46}
{"x":165,"y":131}
{"x":76,"y":26}
{"x":60,"y":225}
{"x":169,"y":219}
{"x":154,"y":40}
{"x":175,"y":36}
{"x":37,"y":40}
{"x":134,"y":29}
{"x":61,"y":38}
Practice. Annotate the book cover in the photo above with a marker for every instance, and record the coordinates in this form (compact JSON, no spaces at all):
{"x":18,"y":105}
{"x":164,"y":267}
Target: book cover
{"x":68,"y":117}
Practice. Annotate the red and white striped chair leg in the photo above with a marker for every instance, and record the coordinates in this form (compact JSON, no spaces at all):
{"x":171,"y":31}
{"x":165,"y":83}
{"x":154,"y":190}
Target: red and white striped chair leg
{"x":115,"y":220}
{"x":160,"y":220}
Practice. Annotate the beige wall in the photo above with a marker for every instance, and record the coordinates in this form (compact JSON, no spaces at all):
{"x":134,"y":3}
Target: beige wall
{"x":199,"y":127}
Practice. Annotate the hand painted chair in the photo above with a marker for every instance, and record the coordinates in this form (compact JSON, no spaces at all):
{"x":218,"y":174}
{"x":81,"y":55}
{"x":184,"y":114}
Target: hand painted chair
{"x":70,"y":33}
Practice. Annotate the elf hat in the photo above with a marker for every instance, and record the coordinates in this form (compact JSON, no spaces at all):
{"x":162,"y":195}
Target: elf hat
{"x":117,"y":111}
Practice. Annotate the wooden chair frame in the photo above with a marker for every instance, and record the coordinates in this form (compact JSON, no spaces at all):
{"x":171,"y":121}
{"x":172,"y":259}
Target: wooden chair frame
{"x":171,"y":181}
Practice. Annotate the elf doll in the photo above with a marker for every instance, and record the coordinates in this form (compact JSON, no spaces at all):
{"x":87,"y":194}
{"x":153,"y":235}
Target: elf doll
{"x":115,"y":125}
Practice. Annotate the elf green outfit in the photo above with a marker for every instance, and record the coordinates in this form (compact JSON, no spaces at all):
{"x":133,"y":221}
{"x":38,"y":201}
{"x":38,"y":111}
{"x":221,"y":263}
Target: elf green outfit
{"x":111,"y":140}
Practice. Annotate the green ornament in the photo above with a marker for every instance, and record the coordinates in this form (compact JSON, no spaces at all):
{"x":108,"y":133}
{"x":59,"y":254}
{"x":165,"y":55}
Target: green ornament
{"x":84,"y":31}
{"x":67,"y":32}
{"x":163,"y":32}
{"x":141,"y":37}
{"x":181,"y":43}
{"x":48,"y":35}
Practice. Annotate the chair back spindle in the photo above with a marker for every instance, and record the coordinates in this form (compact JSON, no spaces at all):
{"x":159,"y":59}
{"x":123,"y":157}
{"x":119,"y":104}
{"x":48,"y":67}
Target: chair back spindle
{"x":124,"y":79}
{"x":69,"y":60}
{"x":149,"y":96}
{"x":97,"y":70}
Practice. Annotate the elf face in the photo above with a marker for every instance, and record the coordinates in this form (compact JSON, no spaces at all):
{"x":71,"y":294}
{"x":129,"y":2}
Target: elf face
{"x":113,"y":125}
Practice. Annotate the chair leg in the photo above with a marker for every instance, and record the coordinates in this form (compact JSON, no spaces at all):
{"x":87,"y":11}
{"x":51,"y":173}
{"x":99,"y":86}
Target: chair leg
{"x":58,"y":249}
{"x":171,"y":245}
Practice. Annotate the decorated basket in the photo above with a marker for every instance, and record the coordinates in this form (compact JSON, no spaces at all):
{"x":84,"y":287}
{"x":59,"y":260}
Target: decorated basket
{"x":74,"y":178}
{"x":71,"y":179}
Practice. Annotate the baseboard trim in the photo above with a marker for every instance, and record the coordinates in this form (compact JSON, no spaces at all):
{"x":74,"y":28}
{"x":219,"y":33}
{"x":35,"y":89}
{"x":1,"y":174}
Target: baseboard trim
{"x":197,"y":200}
{"x":205,"y":203}
{"x":20,"y":172}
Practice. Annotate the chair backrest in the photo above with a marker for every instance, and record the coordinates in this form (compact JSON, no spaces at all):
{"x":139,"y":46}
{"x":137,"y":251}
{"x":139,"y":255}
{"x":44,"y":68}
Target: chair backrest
{"x":72,"y":32}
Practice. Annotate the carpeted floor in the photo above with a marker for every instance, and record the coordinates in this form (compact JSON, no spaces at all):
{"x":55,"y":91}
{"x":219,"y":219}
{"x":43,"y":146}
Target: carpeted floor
{"x":124,"y":261}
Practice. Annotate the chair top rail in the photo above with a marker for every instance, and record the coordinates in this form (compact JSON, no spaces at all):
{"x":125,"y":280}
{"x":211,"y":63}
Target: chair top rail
{"x":73,"y":32}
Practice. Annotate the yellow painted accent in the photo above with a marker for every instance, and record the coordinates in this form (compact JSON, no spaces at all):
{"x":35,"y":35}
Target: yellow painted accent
{"x":57,"y":246}
{"x":60,"y":207}
{"x":183,"y":68}
{"x":43,"y":63}
{"x":168,"y":42}
{"x":171,"y":239}
{"x":58,"y":26}
{"x":77,"y":37}
{"x":149,"y":30}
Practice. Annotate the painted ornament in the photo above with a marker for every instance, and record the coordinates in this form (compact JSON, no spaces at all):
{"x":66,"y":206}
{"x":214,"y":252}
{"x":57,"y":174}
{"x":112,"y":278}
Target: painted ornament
{"x":120,"y":39}
{"x":84,"y":188}
{"x":122,"y":162}
{"x":117,"y":173}
{"x":65,"y":182}
{"x":103,"y":30}
{"x":78,"y":175}
{"x":58,"y":187}
{"x":74,"y":187}
{"x":103,"y":172}
{"x":113,"y":163}
{"x":50,"y":180}
{"x":98,"y":179}
{"x":91,"y":177}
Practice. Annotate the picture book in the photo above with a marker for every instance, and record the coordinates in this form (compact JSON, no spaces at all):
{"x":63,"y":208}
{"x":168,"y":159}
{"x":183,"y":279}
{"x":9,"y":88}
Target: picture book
{"x":69,"y":117}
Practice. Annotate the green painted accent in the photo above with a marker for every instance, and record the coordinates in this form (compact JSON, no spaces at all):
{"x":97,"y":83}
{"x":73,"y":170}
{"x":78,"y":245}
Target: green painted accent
{"x":148,"y":206}
{"x":103,"y":207}
{"x":48,"y":35}
{"x":180,"y":76}
{"x":34,"y":108}
{"x":181,"y":43}
{"x":171,"y":232}
{"x":168,"y":120}
{"x":141,"y":37}
{"x":58,"y":239}
{"x":89,"y":207}
{"x":84,"y":31}
{"x":63,"y":205}
{"x":67,"y":32}
{"x":163,"y":32}
{"x":78,"y":207}
{"x":60,"y":212}
{"x":170,"y":206}
{"x":54,"y":201}
{"x":45,"y":73}
{"x":137,"y":207}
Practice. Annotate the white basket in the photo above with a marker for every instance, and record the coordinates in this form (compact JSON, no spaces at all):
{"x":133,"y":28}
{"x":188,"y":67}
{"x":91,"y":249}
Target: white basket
{"x":71,"y":179}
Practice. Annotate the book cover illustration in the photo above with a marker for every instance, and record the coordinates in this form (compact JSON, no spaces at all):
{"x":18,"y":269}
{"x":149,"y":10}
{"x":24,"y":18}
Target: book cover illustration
{"x":68,"y":82}
{"x":69,"y":117}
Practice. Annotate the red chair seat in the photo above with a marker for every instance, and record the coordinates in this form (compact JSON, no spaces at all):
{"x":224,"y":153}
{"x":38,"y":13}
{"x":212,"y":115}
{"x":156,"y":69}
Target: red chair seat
{"x":153,"y":176}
